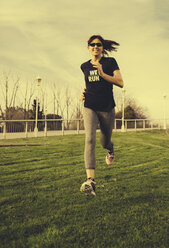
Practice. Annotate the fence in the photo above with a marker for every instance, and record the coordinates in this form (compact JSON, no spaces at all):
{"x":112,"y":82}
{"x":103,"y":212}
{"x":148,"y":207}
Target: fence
{"x":49,"y":127}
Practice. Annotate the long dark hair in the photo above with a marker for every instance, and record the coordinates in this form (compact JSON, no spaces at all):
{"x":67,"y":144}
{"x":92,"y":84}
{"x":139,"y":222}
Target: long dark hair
{"x":108,"y":45}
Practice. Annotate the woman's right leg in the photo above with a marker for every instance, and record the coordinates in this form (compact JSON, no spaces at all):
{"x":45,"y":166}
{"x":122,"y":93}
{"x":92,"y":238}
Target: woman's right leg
{"x":90,"y":123}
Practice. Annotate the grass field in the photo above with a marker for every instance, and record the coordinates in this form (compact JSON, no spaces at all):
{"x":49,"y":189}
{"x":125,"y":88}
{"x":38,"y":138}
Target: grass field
{"x":41,"y":205}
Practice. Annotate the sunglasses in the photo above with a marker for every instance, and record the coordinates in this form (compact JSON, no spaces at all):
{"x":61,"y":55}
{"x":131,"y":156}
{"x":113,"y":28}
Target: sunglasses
{"x":95,"y":44}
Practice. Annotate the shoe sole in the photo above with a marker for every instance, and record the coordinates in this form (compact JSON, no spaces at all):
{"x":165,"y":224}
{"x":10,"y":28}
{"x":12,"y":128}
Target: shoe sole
{"x":87,"y":190}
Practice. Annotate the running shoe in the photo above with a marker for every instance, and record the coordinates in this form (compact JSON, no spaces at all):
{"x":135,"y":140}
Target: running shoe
{"x":109,"y":158}
{"x":88,"y":187}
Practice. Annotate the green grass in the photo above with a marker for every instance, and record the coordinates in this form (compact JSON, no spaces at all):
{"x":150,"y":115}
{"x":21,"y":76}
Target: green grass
{"x":41,"y":205}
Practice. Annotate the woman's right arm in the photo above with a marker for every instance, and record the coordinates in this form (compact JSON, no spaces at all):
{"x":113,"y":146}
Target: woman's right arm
{"x":83,"y":95}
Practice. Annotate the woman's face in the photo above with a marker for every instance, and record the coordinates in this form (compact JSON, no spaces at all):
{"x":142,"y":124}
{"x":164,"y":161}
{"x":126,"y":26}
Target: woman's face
{"x":95,"y":47}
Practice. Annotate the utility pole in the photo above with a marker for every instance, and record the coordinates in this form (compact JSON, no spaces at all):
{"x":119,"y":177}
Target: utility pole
{"x":6,"y":86}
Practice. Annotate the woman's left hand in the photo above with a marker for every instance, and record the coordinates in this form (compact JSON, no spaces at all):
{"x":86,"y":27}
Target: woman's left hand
{"x":99,"y":68}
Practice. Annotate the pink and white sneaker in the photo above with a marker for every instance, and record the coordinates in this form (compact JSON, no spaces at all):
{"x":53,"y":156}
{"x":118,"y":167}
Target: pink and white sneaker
{"x":109,"y":158}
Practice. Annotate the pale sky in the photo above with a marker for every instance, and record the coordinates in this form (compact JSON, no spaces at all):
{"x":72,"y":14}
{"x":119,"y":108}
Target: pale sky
{"x":49,"y":39}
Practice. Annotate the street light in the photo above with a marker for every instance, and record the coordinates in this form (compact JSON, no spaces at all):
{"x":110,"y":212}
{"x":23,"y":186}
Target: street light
{"x":38,"y":81}
{"x":123,"y":96}
{"x":164,"y":97}
{"x":45,"y":133}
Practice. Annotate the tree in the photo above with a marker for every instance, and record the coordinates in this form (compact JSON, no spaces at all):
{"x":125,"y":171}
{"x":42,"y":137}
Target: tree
{"x":40,"y":113}
{"x":9,"y":93}
{"x":27,"y":100}
{"x":132,"y":111}
{"x":54,"y":125}
{"x":58,"y":100}
{"x":16,"y":113}
{"x":78,"y":110}
{"x":2,"y":113}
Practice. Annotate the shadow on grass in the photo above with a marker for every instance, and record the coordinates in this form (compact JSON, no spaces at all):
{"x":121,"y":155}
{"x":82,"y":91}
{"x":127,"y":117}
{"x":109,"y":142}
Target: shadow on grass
{"x":21,"y":233}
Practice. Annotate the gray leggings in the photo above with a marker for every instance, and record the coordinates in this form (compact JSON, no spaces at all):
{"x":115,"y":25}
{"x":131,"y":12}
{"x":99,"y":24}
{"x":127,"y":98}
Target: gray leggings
{"x":91,"y":120}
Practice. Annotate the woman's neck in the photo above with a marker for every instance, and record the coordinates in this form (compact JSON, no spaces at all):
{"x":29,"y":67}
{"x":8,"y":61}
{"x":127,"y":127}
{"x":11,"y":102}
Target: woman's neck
{"x":96,"y":58}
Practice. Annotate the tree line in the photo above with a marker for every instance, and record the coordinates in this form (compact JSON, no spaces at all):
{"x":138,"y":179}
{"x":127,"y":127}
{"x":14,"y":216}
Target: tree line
{"x":19,"y":103}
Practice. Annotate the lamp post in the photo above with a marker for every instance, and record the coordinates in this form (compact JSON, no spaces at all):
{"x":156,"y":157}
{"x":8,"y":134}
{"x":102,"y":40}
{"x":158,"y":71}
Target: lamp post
{"x":123,"y":96}
{"x":38,"y":81}
{"x":164,"y":97}
{"x":45,"y":133}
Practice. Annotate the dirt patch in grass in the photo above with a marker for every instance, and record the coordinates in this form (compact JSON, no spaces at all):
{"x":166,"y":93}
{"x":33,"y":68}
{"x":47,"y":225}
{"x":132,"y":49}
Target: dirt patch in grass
{"x":19,"y":144}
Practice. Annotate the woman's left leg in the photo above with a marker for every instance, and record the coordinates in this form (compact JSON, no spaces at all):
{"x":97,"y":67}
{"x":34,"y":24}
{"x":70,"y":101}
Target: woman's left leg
{"x":106,"y":120}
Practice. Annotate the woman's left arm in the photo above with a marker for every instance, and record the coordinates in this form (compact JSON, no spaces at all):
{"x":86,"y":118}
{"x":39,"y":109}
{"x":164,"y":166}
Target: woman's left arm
{"x":115,"y":79}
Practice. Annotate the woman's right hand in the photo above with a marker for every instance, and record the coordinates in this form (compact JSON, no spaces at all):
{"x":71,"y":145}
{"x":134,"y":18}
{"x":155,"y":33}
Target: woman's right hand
{"x":83,"y":95}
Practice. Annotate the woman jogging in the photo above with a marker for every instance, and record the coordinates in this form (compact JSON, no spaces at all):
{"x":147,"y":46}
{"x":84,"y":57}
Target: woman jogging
{"x":100,"y":73}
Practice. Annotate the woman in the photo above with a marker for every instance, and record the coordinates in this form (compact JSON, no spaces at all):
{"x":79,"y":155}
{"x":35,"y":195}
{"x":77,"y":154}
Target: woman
{"x":100,"y":73}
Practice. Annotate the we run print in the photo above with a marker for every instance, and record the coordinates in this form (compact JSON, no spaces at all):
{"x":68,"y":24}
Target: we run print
{"x":94,"y":76}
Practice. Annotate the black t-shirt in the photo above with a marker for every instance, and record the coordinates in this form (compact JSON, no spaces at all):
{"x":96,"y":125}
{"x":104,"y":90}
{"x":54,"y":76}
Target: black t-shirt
{"x":99,"y":92}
